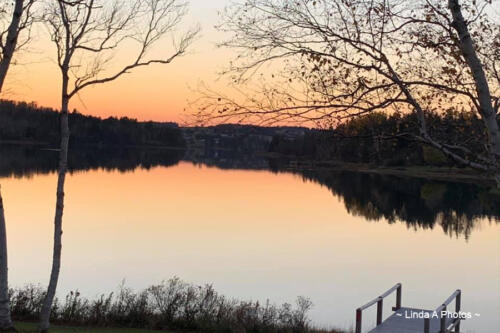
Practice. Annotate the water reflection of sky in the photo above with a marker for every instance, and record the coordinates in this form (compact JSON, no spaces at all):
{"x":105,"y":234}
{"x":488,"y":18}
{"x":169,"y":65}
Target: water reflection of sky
{"x":253,"y":234}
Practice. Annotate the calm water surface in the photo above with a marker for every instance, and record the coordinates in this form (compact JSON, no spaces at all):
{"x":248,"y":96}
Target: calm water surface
{"x":257,"y":234}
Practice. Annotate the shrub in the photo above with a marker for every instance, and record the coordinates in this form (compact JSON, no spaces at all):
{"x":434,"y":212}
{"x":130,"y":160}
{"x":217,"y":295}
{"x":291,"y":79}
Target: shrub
{"x":432,"y":156}
{"x":172,"y":304}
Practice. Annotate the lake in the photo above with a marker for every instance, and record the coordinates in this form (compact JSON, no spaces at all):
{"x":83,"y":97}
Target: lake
{"x":255,"y":231}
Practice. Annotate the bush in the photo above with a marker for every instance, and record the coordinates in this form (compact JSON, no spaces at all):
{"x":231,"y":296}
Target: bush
{"x":172,"y":304}
{"x":434,"y":157}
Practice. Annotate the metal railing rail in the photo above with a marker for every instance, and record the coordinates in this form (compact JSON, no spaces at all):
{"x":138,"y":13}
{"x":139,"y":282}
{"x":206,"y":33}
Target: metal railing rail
{"x":380,"y":303}
{"x":455,"y":323}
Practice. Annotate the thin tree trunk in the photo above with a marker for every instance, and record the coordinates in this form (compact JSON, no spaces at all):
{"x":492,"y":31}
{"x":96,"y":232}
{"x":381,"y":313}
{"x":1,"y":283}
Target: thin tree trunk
{"x":482,"y":88}
{"x":56,"y":259}
{"x":7,"y":53}
{"x":11,"y":42}
{"x":5,"y":319}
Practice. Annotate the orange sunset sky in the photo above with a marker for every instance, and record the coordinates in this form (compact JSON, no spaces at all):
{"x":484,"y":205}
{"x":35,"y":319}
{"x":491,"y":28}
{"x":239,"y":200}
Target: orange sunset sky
{"x":159,"y":92}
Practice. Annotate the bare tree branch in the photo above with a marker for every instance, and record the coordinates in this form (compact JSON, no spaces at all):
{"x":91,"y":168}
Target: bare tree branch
{"x":86,"y":34}
{"x":342,"y":59}
{"x":15,"y":32}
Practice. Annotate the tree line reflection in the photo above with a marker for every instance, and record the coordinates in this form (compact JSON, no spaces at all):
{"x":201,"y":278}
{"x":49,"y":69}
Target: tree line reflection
{"x":454,"y":207}
{"x":420,"y":203}
{"x":29,"y":161}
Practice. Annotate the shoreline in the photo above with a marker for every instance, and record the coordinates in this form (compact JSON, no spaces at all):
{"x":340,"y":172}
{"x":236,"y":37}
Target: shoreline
{"x":292,"y":163}
{"x":450,"y":174}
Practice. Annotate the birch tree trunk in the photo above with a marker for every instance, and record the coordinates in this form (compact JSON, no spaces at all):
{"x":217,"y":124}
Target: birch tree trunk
{"x":486,"y":110}
{"x":11,"y":42}
{"x":95,"y":30}
{"x":7,"y":53}
{"x":56,"y":257}
{"x":5,"y":319}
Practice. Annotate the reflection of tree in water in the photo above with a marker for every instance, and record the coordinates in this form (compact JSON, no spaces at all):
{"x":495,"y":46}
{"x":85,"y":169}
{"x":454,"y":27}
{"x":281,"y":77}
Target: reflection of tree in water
{"x":27,"y":161}
{"x":419,"y":203}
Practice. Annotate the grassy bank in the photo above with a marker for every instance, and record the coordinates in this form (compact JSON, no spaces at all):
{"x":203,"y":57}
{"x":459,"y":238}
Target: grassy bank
{"x":32,"y":328}
{"x":463,"y":175}
{"x":436,"y":173}
{"x":172,"y":305}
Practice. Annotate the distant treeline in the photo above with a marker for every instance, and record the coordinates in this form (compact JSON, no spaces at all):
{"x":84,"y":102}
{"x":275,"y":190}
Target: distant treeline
{"x":170,"y":305}
{"x":27,"y":122}
{"x":386,"y":139}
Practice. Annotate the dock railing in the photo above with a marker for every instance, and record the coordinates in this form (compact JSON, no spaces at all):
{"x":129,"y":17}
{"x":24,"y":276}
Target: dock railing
{"x":380,"y":306}
{"x":455,"y":323}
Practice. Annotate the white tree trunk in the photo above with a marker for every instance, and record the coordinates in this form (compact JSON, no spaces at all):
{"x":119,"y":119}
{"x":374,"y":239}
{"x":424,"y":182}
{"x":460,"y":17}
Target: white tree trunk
{"x":7,"y":53}
{"x":56,"y":258}
{"x":5,"y":319}
{"x":482,"y":88}
{"x":11,"y":41}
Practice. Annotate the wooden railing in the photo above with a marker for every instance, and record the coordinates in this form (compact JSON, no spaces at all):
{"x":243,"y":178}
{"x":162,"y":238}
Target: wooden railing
{"x":455,"y":323}
{"x":380,"y":305}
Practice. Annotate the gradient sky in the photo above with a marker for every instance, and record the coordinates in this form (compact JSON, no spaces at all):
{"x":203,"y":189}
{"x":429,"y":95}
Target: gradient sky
{"x":154,"y":93}
{"x":159,"y":92}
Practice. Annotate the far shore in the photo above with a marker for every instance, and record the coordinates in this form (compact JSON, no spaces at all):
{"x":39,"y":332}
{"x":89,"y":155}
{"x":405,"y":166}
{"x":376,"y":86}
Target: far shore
{"x":293,"y":163}
{"x":455,"y":174}
{"x":47,"y":146}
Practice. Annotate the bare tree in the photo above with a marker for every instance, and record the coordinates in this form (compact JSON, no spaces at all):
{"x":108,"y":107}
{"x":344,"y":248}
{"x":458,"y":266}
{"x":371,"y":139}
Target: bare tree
{"x":13,"y":22}
{"x":87,"y":34}
{"x":343,"y":59}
